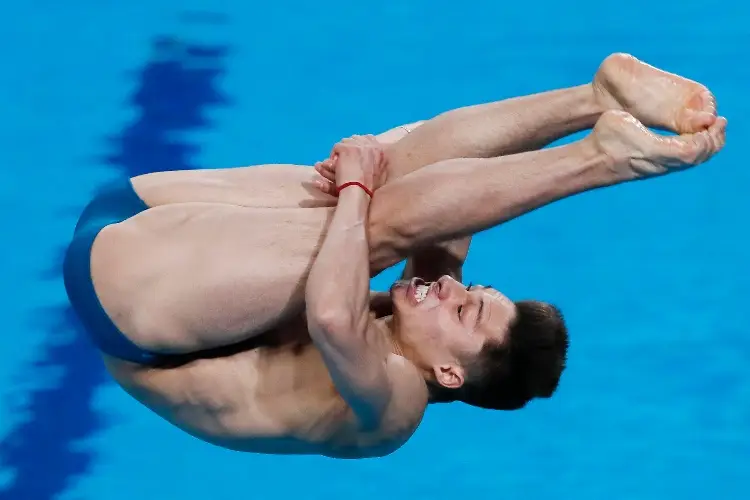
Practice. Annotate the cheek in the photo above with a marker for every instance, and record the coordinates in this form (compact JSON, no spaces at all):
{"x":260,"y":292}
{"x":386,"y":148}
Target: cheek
{"x":427,"y":324}
{"x":449,"y":329}
{"x":460,"y":338}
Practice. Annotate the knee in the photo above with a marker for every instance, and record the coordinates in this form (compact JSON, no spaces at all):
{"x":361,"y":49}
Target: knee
{"x":388,"y":244}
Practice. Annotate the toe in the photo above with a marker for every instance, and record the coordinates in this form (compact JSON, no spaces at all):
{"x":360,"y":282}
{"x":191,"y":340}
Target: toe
{"x":691,"y":149}
{"x":708,"y":102}
{"x":717,"y":132}
{"x":697,"y":114}
{"x":698,"y":120}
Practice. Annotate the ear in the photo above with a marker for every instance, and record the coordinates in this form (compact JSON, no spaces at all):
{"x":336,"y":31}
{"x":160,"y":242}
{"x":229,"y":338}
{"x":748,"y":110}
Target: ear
{"x":449,"y":376}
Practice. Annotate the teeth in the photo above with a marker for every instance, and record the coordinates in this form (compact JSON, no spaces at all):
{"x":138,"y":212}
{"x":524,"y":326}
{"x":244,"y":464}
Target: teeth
{"x":421,"y":293}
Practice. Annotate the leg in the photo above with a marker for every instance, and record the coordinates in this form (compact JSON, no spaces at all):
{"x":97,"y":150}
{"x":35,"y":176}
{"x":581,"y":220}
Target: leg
{"x":487,"y":130}
{"x":657,"y":98}
{"x":244,"y":282}
{"x":622,"y":82}
{"x":457,"y":198}
{"x":188,"y":277}
{"x":478,"y":131}
{"x":161,"y":311}
{"x":482,"y":131}
{"x":496,"y":129}
{"x":396,"y":134}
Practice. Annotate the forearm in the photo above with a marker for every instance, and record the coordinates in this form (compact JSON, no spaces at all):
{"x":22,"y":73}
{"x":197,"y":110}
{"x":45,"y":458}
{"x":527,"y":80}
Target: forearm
{"x":461,"y":197}
{"x":337,"y":305}
{"x":338,"y":285}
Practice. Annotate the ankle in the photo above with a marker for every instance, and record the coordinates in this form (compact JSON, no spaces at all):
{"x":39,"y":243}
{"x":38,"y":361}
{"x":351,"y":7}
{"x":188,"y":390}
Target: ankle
{"x":583,"y":107}
{"x":611,"y":166}
{"x":592,"y":105}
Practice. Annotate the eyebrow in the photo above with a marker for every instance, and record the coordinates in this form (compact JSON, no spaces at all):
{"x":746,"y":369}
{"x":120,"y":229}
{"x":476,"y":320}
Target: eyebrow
{"x":481,"y":310}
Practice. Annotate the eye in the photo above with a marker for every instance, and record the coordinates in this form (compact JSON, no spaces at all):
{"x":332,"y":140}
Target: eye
{"x":461,"y":307}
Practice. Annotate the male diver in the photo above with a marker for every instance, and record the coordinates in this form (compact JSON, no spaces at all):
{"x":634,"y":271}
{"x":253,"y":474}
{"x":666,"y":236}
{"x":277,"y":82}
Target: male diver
{"x":235,"y":303}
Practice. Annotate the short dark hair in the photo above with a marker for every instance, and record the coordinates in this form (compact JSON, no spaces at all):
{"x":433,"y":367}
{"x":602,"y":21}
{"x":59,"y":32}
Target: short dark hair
{"x":526,"y":365}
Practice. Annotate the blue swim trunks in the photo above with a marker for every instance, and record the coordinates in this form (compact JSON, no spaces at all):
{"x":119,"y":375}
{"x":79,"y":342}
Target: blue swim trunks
{"x":114,"y":203}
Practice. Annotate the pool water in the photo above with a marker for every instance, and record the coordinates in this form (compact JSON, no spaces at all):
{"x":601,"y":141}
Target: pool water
{"x":653,"y":277}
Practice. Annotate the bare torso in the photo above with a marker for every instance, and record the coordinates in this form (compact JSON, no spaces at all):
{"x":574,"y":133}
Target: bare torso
{"x":169,"y":278}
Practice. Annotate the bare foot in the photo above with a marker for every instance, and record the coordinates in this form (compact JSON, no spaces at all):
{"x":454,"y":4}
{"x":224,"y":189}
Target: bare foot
{"x":656,"y":98}
{"x":638,"y":153}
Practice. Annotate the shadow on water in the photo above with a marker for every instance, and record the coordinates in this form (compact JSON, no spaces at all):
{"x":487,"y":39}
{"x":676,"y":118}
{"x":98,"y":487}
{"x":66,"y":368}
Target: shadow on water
{"x":176,"y":87}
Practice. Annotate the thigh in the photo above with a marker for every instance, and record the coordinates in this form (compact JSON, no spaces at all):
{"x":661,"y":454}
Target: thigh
{"x":186,"y":277}
{"x":261,"y":186}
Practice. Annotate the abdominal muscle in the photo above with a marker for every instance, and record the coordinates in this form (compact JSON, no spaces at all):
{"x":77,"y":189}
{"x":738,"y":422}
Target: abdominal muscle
{"x":276,"y":400}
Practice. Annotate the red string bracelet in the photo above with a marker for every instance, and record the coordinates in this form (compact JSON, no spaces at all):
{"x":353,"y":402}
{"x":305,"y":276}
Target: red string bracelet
{"x":354,"y":183}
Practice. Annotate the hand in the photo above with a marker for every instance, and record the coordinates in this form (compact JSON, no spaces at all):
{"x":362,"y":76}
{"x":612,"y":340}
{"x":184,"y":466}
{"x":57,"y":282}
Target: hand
{"x":356,"y":159}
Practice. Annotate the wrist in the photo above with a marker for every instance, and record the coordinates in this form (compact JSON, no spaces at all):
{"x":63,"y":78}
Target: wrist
{"x":354,"y":185}
{"x":354,"y":194}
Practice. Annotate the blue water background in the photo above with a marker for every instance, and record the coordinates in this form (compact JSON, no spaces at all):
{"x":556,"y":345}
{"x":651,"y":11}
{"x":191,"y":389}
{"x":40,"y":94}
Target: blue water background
{"x":653,"y":277}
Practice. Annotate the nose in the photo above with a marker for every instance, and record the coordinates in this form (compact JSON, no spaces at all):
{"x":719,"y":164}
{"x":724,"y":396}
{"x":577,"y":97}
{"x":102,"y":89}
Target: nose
{"x":448,"y":287}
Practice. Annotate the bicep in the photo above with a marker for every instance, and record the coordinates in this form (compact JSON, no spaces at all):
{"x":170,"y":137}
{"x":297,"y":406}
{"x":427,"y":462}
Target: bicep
{"x":357,"y":368}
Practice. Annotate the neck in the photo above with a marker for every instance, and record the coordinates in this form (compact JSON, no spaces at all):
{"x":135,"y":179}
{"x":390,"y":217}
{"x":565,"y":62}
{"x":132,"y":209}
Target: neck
{"x":385,"y":325}
{"x":401,"y":348}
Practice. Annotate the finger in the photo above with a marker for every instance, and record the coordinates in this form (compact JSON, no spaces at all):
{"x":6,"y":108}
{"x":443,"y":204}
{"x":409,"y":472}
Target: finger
{"x":329,"y":174}
{"x":325,"y":186}
{"x":327,"y":164}
{"x":325,"y":171}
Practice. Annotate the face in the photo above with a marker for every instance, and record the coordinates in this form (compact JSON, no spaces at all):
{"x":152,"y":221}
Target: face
{"x":444,"y":322}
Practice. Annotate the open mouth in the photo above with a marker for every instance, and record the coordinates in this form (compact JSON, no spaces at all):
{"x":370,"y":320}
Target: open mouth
{"x":421,"y":289}
{"x":420,"y":293}
{"x":416,"y":290}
